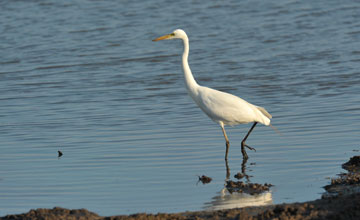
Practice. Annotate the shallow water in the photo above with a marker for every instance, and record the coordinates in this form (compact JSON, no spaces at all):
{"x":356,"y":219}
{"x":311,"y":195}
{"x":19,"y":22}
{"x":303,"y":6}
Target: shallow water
{"x":84,"y":77}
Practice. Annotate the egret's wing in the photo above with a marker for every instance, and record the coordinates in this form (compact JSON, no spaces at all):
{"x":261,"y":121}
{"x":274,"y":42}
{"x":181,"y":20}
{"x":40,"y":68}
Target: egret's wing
{"x":221,"y":106}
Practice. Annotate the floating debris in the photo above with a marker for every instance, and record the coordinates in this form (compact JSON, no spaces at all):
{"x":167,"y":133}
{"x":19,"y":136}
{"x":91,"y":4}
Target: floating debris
{"x":204,"y":179}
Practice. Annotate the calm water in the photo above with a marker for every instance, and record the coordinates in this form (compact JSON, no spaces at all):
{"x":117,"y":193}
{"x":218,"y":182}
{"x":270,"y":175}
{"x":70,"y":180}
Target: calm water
{"x":85,"y":78}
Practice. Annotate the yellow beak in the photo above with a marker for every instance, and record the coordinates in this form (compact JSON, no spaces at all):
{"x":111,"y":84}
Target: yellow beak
{"x":162,"y":37}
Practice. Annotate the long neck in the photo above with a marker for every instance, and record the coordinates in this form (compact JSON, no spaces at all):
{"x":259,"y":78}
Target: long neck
{"x":190,"y":82}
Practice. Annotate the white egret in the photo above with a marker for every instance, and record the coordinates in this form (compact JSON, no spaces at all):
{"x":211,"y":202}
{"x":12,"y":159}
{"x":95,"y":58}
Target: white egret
{"x":223,"y":108}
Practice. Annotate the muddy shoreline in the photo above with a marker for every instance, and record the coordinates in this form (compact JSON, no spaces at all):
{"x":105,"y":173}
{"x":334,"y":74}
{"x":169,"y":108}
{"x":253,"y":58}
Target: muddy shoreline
{"x":338,"y":207}
{"x":342,"y":201}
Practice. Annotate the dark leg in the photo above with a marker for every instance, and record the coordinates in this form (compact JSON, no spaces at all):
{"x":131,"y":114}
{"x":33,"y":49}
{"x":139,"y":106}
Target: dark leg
{"x":243,"y":145}
{"x":227,"y":150}
{"x":227,"y":170}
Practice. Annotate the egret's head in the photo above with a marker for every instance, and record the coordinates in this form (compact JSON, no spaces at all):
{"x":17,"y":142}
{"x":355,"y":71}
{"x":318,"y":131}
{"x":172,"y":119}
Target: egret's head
{"x":177,"y":34}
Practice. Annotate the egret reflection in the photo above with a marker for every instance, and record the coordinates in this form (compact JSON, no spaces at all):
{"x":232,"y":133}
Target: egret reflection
{"x":228,"y":198}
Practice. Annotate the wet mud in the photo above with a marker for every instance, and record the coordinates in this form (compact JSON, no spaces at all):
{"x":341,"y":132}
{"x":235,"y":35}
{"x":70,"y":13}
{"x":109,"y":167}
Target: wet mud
{"x":346,"y":183}
{"x":338,"y":207}
{"x":344,"y":204}
{"x":353,"y":165}
{"x":249,"y":188}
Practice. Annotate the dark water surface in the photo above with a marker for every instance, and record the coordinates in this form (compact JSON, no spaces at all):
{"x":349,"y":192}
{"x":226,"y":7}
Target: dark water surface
{"x":85,"y":78}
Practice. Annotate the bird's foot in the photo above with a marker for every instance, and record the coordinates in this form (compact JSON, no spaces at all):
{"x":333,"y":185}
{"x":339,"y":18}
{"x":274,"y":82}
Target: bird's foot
{"x":251,"y":148}
{"x":245,"y":145}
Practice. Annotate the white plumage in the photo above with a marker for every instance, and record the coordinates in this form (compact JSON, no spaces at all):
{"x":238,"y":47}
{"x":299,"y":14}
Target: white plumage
{"x":223,"y":108}
{"x":229,"y":109}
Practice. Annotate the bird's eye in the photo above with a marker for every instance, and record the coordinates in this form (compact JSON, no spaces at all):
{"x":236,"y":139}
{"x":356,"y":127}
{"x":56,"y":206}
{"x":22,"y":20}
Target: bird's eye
{"x":172,"y":34}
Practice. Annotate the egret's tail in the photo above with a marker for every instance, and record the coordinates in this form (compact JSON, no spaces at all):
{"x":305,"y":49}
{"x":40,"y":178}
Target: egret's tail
{"x":263,"y":110}
{"x":275,"y":129}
